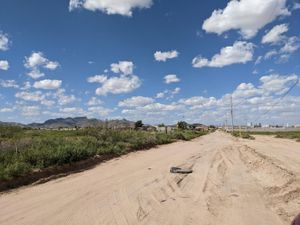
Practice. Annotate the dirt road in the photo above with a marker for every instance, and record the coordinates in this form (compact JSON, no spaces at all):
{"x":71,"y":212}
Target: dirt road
{"x":235,"y":182}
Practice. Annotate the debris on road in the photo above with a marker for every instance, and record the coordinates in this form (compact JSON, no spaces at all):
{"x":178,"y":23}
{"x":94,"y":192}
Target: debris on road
{"x":180,"y":170}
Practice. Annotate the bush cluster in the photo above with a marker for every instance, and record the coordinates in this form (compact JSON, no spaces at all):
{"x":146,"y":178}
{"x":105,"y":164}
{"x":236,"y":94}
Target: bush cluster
{"x":279,"y":134}
{"x":244,"y":135}
{"x":25,"y":150}
{"x":289,"y":134}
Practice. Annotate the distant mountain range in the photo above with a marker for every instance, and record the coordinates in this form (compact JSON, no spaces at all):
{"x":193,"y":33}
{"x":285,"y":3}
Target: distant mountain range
{"x":12,"y":124}
{"x":76,"y":122}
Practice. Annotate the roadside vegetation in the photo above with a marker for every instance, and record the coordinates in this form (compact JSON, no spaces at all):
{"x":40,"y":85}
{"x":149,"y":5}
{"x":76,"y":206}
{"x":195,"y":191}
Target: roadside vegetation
{"x":23,"y":151}
{"x":295,"y":135}
{"x":280,"y":134}
{"x":244,"y":135}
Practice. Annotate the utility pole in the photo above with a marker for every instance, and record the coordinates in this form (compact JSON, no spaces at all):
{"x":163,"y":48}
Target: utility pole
{"x":231,"y":112}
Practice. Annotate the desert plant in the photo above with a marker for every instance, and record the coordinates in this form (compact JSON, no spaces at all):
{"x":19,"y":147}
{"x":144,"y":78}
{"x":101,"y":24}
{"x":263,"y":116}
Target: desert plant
{"x":182,"y":125}
{"x":39,"y":149}
{"x":138,"y":124}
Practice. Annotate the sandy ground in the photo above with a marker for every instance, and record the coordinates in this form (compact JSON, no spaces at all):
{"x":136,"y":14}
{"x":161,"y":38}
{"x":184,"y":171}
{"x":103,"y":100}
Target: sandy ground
{"x":235,"y":182}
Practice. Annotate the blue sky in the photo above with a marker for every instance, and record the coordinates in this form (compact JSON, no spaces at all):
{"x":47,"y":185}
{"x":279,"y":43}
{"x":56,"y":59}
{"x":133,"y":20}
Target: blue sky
{"x":155,"y":60}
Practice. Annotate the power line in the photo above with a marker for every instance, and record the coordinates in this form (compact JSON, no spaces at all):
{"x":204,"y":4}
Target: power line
{"x":276,"y":103}
{"x":264,"y":104}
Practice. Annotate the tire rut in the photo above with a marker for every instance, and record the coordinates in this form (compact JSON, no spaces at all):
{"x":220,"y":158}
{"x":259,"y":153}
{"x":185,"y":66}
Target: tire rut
{"x":281,"y":186}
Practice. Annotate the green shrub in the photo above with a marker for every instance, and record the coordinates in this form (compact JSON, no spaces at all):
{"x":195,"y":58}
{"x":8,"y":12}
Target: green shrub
{"x":244,"y":135}
{"x":15,"y":169}
{"x":163,"y":138}
{"x":24,"y":150}
{"x":280,"y":134}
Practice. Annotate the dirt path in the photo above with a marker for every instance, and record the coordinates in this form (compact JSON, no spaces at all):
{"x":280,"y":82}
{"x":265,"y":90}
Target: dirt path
{"x":234,"y":182}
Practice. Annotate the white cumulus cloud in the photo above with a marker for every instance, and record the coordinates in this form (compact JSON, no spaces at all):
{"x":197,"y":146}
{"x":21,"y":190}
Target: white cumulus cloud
{"x":240,"y":52}
{"x":99,"y":111}
{"x":164,"y":56}
{"x":26,"y":85}
{"x":94,"y":102}
{"x":62,"y":98}
{"x":291,"y":45}
{"x":6,"y":110}
{"x":296,"y":6}
{"x":29,"y":111}
{"x":4,"y":65}
{"x":47,"y":84}
{"x":121,"y":7}
{"x":123,"y":67}
{"x":277,"y":84}
{"x":275,"y":34}
{"x":36,"y":61}
{"x":35,"y":74}
{"x":119,"y":85}
{"x":30,"y":96}
{"x":168,"y":94}
{"x":4,"y":41}
{"x":176,"y":91}
{"x":97,"y":79}
{"x":136,"y":101}
{"x":247,"y":16}
{"x":124,"y":83}
{"x":171,"y":78}
{"x":72,"y":110}
{"x":9,"y":84}
{"x":160,"y":95}
{"x":270,"y":54}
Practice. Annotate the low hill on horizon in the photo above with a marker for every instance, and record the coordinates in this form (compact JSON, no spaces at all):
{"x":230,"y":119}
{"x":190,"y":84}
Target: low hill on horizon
{"x":72,"y":122}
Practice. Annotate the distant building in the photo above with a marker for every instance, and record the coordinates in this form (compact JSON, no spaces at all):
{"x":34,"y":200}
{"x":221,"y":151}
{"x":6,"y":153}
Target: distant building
{"x":257,"y":125}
